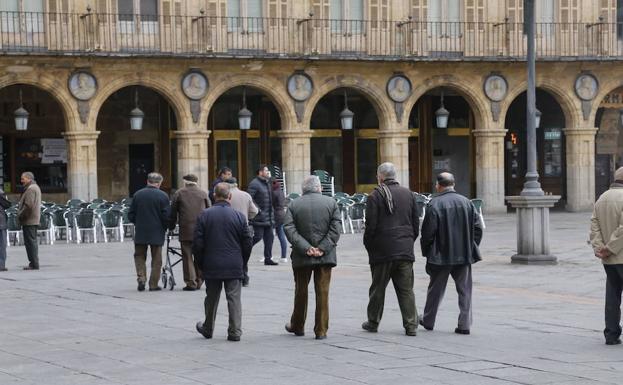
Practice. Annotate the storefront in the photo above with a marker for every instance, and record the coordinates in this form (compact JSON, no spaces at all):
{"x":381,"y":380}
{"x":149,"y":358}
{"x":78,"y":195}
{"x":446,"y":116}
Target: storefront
{"x":608,"y":142}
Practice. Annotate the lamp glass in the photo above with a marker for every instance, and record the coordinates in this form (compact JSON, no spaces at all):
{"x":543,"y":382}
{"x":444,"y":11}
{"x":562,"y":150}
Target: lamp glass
{"x":537,"y":119}
{"x":244,"y":119}
{"x":136,"y":119}
{"x":21,"y":119}
{"x":346,"y":119}
{"x":441,"y":116}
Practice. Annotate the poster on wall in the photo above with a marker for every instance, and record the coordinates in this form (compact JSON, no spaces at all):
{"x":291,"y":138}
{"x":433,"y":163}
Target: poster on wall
{"x":53,"y":151}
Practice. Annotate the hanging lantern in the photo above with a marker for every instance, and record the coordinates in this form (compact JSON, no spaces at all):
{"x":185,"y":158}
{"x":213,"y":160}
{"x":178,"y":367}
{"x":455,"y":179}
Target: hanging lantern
{"x":537,"y":118}
{"x":346,"y":116}
{"x":21,"y":115}
{"x":442,"y":115}
{"x":136,"y":115}
{"x":244,"y":115}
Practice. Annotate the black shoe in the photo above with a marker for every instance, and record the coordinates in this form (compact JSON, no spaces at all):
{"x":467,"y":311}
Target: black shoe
{"x":245,"y":281}
{"x":189,"y":288}
{"x":201,"y":330}
{"x":157,"y":288}
{"x":321,"y":337}
{"x":411,"y":333}
{"x":233,"y":338}
{"x":368,"y":326}
{"x":421,"y":322}
{"x":141,"y":287}
{"x":270,"y":262}
{"x":4,"y":269}
{"x":613,"y":342}
{"x":31,"y":267}
{"x":461,"y":331}
{"x":296,"y":333}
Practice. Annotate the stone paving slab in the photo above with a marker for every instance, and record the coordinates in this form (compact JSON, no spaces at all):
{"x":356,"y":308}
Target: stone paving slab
{"x":80,"y":320}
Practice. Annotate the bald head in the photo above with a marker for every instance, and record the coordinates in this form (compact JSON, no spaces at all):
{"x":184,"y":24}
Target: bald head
{"x":618,"y":174}
{"x":445,"y":181}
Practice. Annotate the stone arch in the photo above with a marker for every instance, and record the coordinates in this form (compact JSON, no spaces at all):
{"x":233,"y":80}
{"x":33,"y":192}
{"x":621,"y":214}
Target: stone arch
{"x":570,"y":109}
{"x":377,"y":97}
{"x":168,"y":89}
{"x":52,"y":85}
{"x":225,"y":83}
{"x":604,"y":89}
{"x":474,"y":97}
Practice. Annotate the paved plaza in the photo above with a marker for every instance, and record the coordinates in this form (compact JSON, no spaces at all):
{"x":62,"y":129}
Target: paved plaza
{"x":80,"y":320}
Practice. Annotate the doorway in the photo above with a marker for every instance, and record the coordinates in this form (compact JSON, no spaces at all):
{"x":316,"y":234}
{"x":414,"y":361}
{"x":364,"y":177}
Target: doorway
{"x":141,"y":163}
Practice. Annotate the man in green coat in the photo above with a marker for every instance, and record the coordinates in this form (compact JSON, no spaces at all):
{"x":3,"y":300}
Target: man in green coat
{"x":312,"y":226}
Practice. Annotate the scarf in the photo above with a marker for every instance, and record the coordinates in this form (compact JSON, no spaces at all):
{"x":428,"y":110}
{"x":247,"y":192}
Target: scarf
{"x":386,"y":194}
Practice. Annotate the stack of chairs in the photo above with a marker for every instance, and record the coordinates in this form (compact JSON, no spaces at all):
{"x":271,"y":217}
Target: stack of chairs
{"x":327,"y":182}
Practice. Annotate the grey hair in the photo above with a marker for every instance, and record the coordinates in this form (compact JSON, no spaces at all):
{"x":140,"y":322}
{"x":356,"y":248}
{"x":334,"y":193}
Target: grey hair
{"x":29,"y":175}
{"x":618,"y":174}
{"x":386,"y":170}
{"x":154,"y":178}
{"x":311,"y":184}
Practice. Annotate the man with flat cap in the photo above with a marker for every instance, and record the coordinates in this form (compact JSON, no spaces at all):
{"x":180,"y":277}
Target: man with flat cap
{"x":188,"y":203}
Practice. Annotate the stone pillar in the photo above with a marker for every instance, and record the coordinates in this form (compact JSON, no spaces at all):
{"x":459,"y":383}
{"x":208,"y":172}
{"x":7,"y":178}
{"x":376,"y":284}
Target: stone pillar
{"x":490,"y":169}
{"x":394,"y":148}
{"x":192,"y":156}
{"x":580,"y":153}
{"x":82,"y":164}
{"x":295,"y":153}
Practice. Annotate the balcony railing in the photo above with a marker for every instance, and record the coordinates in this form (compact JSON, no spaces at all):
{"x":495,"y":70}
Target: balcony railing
{"x":206,"y":36}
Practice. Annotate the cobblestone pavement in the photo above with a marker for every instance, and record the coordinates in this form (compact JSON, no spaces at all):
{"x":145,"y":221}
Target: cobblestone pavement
{"x":80,"y":320}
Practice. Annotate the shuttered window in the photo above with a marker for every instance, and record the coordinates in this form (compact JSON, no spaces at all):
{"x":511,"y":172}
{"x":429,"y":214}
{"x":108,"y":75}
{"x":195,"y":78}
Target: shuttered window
{"x":378,"y":13}
{"x":475,"y":14}
{"x":514,"y":14}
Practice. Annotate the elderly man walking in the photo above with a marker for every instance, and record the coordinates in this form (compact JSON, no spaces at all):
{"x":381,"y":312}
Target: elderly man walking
{"x":312,"y":225}
{"x":149,"y":212}
{"x":451,"y":233}
{"x":392,"y":225}
{"x":187,"y":204}
{"x":607,"y":241}
{"x":221,"y":243}
{"x":29,"y":215}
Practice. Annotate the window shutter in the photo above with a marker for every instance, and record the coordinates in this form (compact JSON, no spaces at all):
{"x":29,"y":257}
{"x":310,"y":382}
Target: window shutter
{"x":178,"y":13}
{"x":284,"y":13}
{"x":374,"y":13}
{"x":515,"y":14}
{"x":474,"y":14}
{"x":272,"y":12}
{"x":52,"y":9}
{"x":166,"y":12}
{"x":545,"y":11}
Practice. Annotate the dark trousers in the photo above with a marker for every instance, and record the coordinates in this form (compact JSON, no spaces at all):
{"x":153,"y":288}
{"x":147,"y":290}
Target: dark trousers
{"x":264,"y":233}
{"x":401,"y":274}
{"x":3,"y":243}
{"x":281,"y":235}
{"x":32,"y":244}
{"x":140,"y":258}
{"x":614,"y":287}
{"x":192,"y":272}
{"x":322,"y":279}
{"x":234,"y":305}
{"x":462,"y":276}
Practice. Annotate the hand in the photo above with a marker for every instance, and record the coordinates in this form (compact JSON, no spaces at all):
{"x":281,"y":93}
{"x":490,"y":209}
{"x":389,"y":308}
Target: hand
{"x":604,"y":253}
{"x":310,"y":252}
{"x":315,"y":252}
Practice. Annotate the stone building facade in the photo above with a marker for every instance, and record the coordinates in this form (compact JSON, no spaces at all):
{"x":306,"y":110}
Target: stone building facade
{"x":141,"y":53}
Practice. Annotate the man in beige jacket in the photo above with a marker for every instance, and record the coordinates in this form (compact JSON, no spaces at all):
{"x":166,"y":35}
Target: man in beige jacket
{"x":607,"y":241}
{"x":29,"y":214}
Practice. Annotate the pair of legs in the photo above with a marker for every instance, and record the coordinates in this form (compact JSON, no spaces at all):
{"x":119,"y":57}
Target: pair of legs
{"x":614,"y":287}
{"x":32,"y":245}
{"x":3,"y":242}
{"x":234,"y":305}
{"x":264,"y":233}
{"x":192,"y":272}
{"x":140,"y":258}
{"x":462,"y":276}
{"x":281,"y":235}
{"x":401,"y":274}
{"x":322,"y":279}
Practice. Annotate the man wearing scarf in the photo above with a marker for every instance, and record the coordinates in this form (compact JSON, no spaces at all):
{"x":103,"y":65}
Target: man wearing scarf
{"x":607,"y":241}
{"x":392,"y":226}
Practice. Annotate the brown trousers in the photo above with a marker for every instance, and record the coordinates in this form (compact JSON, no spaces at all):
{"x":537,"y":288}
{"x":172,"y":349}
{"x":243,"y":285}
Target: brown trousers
{"x":192,"y":272}
{"x":322,"y":278}
{"x":140,"y":258}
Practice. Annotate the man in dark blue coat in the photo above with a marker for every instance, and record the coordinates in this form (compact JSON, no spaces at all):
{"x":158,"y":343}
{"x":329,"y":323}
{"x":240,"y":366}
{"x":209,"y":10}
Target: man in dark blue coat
{"x":221,"y":243}
{"x":261,"y":190}
{"x":150,"y":214}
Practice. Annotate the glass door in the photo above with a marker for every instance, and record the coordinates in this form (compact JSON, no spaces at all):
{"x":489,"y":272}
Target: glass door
{"x":366,"y":160}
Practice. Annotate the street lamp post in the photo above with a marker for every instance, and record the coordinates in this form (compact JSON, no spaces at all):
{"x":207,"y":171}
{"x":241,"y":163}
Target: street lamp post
{"x":532,"y":204}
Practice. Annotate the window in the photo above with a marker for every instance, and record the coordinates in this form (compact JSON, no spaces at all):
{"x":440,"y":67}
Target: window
{"x":145,"y":10}
{"x":545,"y":17}
{"x":347,"y":16}
{"x":514,"y":13}
{"x":248,"y":10}
{"x":444,"y":17}
{"x":24,"y":15}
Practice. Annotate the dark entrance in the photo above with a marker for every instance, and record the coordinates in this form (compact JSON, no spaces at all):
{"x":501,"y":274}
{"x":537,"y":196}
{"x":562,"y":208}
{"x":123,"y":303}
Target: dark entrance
{"x":141,"y":163}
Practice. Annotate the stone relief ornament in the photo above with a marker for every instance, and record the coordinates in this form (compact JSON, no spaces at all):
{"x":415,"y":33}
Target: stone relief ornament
{"x":300,"y":87}
{"x":82,"y":85}
{"x":398,"y":88}
{"x":495,"y":88}
{"x":586,"y":87}
{"x":195,"y":85}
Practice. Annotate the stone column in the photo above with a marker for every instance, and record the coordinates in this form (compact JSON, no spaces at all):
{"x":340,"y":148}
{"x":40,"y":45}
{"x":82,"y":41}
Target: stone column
{"x":82,"y":164}
{"x":192,"y":156}
{"x":580,"y":153}
{"x":394,"y":148}
{"x":295,"y":154}
{"x":490,"y":169}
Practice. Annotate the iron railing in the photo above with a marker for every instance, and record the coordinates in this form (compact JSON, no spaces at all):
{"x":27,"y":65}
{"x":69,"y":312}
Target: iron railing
{"x":207,"y":36}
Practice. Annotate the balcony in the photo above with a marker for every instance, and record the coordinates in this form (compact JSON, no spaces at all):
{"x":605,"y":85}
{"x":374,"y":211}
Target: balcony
{"x":95,"y":34}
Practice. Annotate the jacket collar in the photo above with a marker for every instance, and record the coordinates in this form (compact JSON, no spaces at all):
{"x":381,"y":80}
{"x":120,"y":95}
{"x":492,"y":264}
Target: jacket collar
{"x":449,"y":191}
{"x":616,"y":185}
{"x":390,"y":182}
{"x":222,"y":204}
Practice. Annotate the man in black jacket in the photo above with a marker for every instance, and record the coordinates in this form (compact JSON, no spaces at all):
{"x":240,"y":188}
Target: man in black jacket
{"x":261,"y":190}
{"x":221,"y":243}
{"x":392,"y":225}
{"x":451,"y":233}
{"x":149,"y":212}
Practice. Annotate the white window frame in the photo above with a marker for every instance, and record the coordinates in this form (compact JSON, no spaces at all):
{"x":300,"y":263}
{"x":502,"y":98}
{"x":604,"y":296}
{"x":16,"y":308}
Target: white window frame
{"x":241,"y":20}
{"x":25,"y":20}
{"x":442,"y":24}
{"x":346,"y":20}
{"x":149,"y":27}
